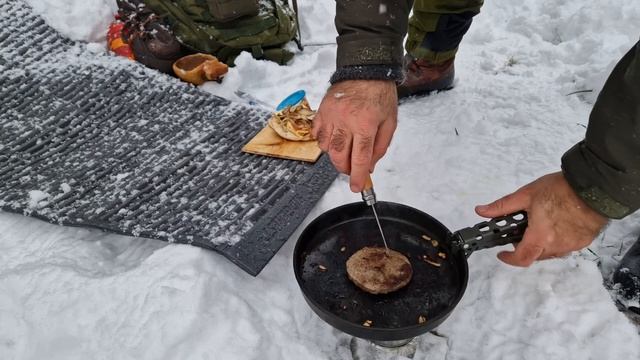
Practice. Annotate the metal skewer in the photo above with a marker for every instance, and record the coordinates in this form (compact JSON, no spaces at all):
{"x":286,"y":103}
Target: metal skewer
{"x":369,"y":197}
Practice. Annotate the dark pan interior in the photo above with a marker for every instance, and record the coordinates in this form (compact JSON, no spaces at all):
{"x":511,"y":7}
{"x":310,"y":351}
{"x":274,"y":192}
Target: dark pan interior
{"x":334,"y":236}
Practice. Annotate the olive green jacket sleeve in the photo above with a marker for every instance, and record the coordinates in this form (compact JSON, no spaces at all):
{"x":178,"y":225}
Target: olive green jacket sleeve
{"x":370,"y":36}
{"x":604,"y":168}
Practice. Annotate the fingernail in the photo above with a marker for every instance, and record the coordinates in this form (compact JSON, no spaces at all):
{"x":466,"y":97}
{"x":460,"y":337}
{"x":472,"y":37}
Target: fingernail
{"x":482,"y":207}
{"x":354,"y":188}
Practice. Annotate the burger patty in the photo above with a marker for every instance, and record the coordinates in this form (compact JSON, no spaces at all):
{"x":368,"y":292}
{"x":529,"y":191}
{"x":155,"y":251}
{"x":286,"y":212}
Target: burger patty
{"x":379,"y":271}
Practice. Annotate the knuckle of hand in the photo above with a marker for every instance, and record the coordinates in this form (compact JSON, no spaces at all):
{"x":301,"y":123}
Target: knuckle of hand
{"x":549,"y":239}
{"x":378,"y":153}
{"x":338,"y":140}
{"x":340,"y":167}
{"x":365,"y":129}
{"x":340,"y":162}
{"x":525,"y":191}
{"x":360,"y":160}
{"x":365,"y":143}
{"x":532,"y":253}
{"x":337,"y":158}
{"x":498,"y":205}
{"x":527,"y":255}
{"x":321,"y":136}
{"x":362,"y":151}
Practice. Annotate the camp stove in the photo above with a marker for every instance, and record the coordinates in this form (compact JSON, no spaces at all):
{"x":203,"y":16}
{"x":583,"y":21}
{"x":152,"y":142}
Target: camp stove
{"x":362,"y":349}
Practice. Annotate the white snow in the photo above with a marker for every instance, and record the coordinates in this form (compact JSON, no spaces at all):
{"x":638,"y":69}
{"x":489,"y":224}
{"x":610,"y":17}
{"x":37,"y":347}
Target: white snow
{"x":65,"y":187}
{"x":121,"y":176}
{"x":86,"y":20}
{"x":68,"y":293}
{"x":37,"y":198}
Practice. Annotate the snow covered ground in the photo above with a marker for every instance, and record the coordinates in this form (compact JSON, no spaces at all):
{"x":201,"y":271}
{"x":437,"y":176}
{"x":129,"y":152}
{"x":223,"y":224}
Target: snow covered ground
{"x":69,"y":293}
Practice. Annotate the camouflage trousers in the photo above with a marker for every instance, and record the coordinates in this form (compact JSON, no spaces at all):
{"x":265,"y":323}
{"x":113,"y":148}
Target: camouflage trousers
{"x":436,"y":27}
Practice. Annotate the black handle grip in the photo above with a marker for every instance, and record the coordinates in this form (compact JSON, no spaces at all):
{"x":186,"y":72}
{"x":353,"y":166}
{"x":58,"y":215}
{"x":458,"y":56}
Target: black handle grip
{"x":500,"y":231}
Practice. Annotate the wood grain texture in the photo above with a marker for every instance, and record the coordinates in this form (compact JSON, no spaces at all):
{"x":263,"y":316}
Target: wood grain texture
{"x":268,"y":143}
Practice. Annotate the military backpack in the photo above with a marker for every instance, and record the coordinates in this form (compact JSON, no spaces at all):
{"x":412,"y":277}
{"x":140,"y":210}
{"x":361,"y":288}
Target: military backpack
{"x":224,"y":28}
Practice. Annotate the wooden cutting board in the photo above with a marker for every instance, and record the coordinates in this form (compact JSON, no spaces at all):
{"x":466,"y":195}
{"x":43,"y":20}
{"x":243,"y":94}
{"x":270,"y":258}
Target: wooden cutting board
{"x":267,"y":142}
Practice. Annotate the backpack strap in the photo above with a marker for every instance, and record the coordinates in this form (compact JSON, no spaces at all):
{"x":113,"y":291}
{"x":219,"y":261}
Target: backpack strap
{"x":298,"y":39}
{"x":257,"y":52}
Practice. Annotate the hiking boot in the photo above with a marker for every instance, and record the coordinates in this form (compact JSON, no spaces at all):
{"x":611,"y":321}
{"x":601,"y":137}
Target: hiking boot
{"x":423,"y":77}
{"x":628,"y":273}
{"x":153,"y":43}
{"x":156,"y":47}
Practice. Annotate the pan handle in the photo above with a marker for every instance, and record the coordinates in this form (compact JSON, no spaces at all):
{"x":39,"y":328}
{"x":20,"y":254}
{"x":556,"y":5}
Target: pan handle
{"x":499,"y":231}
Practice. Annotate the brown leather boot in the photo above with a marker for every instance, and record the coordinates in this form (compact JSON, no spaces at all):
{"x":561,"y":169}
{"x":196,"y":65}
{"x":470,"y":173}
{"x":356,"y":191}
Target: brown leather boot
{"x":423,"y":77}
{"x":152,"y":42}
{"x":156,"y":47}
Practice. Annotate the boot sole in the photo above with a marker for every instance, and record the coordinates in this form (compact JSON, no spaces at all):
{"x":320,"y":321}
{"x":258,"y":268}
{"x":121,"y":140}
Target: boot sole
{"x":444,"y":84}
{"x":424,"y":93}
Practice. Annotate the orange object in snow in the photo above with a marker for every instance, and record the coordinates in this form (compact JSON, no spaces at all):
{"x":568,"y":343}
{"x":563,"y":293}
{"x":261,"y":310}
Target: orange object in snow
{"x":198,"y":68}
{"x":116,"y":41}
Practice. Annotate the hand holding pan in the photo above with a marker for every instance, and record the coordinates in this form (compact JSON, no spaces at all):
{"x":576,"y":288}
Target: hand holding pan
{"x":438,"y":258}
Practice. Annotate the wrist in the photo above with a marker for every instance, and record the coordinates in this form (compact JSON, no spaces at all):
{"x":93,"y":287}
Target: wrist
{"x":368,"y":72}
{"x":589,"y":184}
{"x":580,"y":203}
{"x":374,"y":93}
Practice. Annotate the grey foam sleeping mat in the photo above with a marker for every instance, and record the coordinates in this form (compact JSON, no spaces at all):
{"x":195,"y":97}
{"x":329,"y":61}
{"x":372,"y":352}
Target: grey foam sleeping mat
{"x":89,"y":139}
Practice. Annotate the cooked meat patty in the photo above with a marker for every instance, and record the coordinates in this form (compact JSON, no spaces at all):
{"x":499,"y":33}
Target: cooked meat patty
{"x":377,"y":271}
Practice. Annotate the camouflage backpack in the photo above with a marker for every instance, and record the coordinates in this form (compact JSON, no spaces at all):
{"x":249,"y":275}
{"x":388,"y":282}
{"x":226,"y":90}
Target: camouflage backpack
{"x":224,"y":28}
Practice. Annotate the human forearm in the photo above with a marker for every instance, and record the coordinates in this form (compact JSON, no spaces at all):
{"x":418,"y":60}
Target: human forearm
{"x":604,"y":168}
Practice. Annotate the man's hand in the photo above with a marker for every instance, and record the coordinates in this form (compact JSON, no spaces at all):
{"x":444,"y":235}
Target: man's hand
{"x":559,"y":221}
{"x":355,"y":124}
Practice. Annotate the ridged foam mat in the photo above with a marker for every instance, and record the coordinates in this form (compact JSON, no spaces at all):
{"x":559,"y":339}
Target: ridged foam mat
{"x":90,"y":139}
